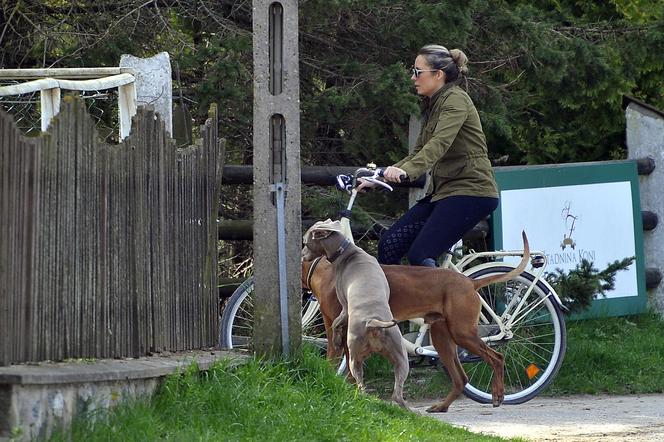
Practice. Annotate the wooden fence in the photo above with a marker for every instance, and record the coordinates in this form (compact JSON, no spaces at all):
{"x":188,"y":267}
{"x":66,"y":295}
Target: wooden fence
{"x":106,"y":250}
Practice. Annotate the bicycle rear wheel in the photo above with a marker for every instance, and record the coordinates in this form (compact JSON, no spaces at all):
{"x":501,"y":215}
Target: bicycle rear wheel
{"x":535,"y":351}
{"x":237,"y":320}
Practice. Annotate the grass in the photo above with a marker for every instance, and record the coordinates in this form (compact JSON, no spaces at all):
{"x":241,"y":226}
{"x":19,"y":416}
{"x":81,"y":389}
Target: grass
{"x":622,"y":355}
{"x":616,"y":355}
{"x":425,"y":381}
{"x":301,"y":400}
{"x":304,"y":399}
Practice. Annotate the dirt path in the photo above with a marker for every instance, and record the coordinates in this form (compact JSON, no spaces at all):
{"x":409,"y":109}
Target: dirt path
{"x":575,"y":418}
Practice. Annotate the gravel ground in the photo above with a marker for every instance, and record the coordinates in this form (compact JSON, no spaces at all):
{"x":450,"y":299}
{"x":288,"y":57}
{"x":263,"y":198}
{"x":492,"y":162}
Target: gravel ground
{"x":574,"y":418}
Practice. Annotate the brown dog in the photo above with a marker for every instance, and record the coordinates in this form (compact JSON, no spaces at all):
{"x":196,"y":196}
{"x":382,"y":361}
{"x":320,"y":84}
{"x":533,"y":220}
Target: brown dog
{"x":445,"y":299}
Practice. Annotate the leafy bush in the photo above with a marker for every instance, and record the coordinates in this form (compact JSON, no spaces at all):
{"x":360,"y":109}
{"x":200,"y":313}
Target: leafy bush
{"x":580,"y":286}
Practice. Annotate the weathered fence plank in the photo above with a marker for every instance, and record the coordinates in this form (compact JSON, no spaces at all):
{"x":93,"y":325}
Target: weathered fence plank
{"x":106,"y":250}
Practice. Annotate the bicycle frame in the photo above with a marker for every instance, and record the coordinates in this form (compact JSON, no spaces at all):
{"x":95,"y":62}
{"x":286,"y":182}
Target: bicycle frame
{"x":513,"y":311}
{"x":345,"y":221}
{"x":510,"y":317}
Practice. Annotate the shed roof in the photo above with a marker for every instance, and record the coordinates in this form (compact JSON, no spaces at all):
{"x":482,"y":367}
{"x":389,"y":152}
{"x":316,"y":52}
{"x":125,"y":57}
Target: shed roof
{"x":650,"y":109}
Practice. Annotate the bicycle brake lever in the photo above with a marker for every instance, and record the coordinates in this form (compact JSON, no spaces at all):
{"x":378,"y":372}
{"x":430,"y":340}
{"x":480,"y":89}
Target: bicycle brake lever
{"x":365,"y":173}
{"x":379,"y":182}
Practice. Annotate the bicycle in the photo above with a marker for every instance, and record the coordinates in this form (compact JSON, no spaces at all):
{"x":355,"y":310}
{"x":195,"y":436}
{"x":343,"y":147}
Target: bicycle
{"x":521,"y":318}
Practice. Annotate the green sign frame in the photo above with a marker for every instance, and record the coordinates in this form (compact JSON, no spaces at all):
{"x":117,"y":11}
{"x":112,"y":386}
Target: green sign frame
{"x":531,"y":177}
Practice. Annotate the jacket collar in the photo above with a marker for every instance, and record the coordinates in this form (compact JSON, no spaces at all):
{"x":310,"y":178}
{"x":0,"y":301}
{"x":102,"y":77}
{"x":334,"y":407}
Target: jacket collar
{"x":428,"y":102}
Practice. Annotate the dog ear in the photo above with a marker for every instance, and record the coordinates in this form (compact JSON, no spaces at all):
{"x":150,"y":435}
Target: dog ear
{"x":321,"y":234}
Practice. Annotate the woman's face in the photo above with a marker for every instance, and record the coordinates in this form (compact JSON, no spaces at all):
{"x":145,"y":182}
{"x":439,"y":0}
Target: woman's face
{"x":428,"y":81}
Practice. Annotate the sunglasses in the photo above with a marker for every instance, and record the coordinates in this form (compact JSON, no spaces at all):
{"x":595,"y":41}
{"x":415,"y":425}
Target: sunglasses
{"x":416,"y":71}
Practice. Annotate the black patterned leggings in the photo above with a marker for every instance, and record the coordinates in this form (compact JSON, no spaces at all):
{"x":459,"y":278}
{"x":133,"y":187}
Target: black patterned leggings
{"x":429,"y":229}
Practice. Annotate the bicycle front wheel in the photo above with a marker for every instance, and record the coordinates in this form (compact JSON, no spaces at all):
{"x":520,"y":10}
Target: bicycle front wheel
{"x":533,"y":352}
{"x":237,"y":320}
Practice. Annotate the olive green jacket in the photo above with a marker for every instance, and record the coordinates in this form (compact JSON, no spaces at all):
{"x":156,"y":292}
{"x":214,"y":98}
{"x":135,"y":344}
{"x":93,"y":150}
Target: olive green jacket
{"x":452,"y":146}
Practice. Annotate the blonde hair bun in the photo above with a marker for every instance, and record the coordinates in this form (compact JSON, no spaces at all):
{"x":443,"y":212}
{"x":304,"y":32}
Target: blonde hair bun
{"x":460,"y":60}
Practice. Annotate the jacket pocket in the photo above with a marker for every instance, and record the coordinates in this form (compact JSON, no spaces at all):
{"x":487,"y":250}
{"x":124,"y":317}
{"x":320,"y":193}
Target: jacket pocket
{"x":452,"y":168}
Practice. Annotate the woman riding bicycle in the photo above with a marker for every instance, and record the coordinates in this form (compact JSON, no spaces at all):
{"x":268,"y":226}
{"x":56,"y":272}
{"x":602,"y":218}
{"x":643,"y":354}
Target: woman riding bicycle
{"x":451,"y":145}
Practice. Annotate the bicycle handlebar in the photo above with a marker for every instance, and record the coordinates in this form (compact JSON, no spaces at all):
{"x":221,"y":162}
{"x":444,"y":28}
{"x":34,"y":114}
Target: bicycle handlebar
{"x":402,"y":179}
{"x":349,"y":182}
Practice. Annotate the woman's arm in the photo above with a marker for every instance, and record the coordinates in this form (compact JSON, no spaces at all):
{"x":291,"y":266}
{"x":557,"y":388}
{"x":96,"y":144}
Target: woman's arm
{"x":452,"y":116}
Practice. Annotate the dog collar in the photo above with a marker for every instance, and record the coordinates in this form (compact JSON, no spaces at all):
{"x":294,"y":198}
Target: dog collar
{"x":312,"y":268}
{"x":342,"y":248}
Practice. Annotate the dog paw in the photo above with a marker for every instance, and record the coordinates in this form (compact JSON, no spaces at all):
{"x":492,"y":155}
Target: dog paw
{"x":497,"y":399}
{"x":437,"y":408}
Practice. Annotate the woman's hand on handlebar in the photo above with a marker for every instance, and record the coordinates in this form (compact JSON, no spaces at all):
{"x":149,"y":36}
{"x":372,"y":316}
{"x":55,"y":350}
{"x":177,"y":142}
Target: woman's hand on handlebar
{"x":394,"y":174}
{"x":366,"y":178}
{"x":365,"y":185}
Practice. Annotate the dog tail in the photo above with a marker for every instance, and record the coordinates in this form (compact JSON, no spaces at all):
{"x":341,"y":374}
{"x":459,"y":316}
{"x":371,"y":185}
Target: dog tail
{"x":377,"y":323}
{"x":479,"y":283}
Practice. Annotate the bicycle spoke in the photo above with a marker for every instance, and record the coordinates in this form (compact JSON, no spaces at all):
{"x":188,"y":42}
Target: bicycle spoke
{"x":238,"y":320}
{"x":513,"y":378}
{"x":480,"y":373}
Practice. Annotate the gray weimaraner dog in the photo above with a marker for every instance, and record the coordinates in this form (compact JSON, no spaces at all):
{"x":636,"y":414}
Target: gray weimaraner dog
{"x":363,"y":292}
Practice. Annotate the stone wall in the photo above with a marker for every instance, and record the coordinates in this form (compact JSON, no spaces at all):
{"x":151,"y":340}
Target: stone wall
{"x":645,"y":138}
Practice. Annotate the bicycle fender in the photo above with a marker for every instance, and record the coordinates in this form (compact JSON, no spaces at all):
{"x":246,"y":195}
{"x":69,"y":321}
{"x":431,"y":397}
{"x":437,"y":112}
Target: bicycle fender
{"x":541,"y":283}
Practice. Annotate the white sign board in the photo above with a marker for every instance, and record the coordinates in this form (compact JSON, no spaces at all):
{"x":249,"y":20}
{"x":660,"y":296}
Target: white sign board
{"x":570,"y":223}
{"x":573,"y":212}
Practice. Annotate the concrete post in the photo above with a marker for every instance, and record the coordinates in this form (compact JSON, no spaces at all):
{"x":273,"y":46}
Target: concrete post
{"x":645,"y":138}
{"x":278,"y":296}
{"x":153,"y":84}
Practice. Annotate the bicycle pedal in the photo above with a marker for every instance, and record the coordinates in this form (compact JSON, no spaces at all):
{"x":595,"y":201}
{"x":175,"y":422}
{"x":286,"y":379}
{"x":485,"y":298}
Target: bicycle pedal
{"x":466,"y":356}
